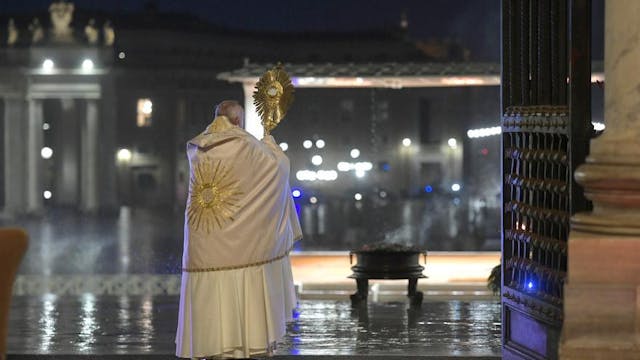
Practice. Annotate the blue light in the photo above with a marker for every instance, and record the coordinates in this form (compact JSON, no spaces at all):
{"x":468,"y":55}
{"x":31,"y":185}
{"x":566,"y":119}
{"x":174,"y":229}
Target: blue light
{"x":386,"y":167}
{"x":296,"y":193}
{"x":530,"y":285}
{"x":428,"y":188}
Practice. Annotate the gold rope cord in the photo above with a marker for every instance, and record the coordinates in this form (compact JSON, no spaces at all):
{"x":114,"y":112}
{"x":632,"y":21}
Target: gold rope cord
{"x":234,"y":267}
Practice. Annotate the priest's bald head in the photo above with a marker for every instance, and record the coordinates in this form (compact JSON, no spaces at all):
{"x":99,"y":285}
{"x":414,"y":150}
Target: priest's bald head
{"x":232,"y":110}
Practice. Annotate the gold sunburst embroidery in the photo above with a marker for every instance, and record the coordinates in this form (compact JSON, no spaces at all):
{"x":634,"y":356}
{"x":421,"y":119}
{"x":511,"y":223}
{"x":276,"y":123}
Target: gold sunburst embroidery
{"x":213,"y":196}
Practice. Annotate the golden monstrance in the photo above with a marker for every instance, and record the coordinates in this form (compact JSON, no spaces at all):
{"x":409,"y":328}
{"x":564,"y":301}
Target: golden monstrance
{"x":273,"y":97}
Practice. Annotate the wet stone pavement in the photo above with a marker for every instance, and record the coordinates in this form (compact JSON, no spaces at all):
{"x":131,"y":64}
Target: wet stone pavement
{"x":143,"y":327}
{"x":106,"y":264}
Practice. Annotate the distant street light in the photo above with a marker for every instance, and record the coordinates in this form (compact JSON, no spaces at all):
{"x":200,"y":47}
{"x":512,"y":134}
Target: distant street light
{"x":307,"y":144}
{"x":453,"y":143}
{"x":87,"y":65}
{"x":406,"y":142}
{"x":355,"y":153}
{"x":483,"y":132}
{"x":284,"y":146}
{"x":124,"y":155}
{"x":456,"y":187}
{"x":357,"y":196}
{"x":320,"y":143}
{"x":47,"y":65}
{"x":47,"y":194}
{"x":316,"y":160}
{"x":46,"y":152}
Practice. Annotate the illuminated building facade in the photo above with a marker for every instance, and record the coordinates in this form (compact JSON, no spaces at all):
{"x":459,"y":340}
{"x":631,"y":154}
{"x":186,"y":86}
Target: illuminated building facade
{"x":119,"y":101}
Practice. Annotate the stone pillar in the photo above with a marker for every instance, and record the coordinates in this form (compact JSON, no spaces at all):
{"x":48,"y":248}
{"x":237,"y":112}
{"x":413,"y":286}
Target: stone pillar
{"x":66,"y":154}
{"x":181,"y":174}
{"x":14,"y":156}
{"x":34,"y":159}
{"x":252,"y":122}
{"x":107,"y":128}
{"x":89,"y":158}
{"x":602,"y":294}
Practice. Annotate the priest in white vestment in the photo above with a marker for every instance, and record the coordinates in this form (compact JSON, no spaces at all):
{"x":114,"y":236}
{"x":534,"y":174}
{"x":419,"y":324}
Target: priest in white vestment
{"x":240,"y":225}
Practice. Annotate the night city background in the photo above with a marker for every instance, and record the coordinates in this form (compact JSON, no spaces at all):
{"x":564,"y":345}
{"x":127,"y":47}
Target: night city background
{"x":407,"y":160}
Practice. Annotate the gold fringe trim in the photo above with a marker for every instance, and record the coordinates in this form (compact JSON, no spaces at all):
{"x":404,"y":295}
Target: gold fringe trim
{"x":234,"y":267}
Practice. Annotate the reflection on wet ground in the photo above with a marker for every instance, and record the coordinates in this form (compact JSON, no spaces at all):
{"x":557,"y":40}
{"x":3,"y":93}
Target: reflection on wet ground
{"x":133,"y":241}
{"x":129,"y":242}
{"x":107,"y":264}
{"x":103,"y":325}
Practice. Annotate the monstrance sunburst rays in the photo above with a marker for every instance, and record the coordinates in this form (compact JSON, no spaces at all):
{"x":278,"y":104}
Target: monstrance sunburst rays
{"x":213,"y":196}
{"x":273,"y":97}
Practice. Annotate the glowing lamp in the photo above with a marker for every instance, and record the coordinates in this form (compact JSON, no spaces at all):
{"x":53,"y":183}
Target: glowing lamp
{"x":46,"y":152}
{"x":47,"y":65}
{"x":124,"y":155}
{"x":87,"y":65}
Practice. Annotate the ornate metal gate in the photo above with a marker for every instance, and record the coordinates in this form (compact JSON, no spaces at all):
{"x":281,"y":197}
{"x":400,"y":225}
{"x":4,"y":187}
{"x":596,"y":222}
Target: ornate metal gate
{"x":546,"y":126}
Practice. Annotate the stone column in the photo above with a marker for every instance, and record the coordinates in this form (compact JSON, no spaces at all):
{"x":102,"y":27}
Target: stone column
{"x":602,"y":294}
{"x":34,"y":159}
{"x":14,"y":156}
{"x":252,"y":122}
{"x":66,"y":154}
{"x":107,"y":129}
{"x":181,"y":169}
{"x":89,"y":158}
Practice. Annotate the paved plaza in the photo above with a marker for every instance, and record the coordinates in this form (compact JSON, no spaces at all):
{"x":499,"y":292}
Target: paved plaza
{"x":138,"y":326}
{"x":105,"y":287}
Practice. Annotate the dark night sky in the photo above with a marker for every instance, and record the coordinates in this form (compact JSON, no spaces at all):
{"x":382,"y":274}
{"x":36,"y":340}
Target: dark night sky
{"x":475,"y":23}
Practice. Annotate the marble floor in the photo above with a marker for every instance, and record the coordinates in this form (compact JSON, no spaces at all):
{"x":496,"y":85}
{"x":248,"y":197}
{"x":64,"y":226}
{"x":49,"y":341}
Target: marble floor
{"x":88,"y":326}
